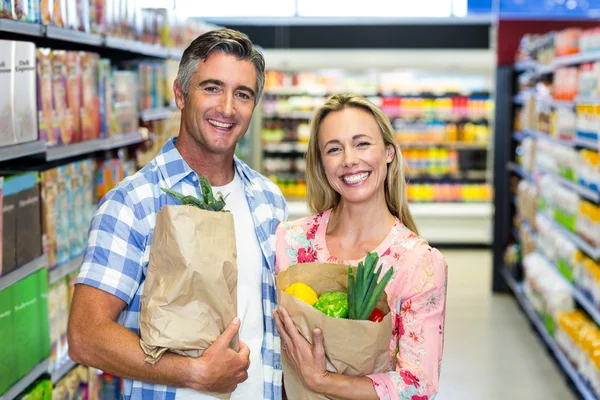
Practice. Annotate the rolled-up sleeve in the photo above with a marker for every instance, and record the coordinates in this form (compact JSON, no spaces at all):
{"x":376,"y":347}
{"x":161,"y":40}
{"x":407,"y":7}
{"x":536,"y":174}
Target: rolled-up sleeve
{"x":116,"y":245}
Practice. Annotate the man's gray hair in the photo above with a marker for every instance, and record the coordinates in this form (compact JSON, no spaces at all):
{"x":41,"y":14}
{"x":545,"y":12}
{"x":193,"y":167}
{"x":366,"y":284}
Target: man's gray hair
{"x":227,"y":41}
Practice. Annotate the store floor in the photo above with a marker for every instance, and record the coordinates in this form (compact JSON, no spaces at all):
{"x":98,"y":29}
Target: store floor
{"x":491,"y":351}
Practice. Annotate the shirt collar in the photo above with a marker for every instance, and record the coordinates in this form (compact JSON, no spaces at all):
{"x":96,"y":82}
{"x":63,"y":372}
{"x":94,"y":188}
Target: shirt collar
{"x":171,"y":165}
{"x":174,"y":168}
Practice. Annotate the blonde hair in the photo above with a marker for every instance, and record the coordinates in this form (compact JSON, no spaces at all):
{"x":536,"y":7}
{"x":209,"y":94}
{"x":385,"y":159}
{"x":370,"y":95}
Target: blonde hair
{"x":320,"y":194}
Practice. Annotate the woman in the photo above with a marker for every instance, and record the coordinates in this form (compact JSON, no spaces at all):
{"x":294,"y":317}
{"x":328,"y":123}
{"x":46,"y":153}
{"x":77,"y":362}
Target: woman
{"x":356,"y":189}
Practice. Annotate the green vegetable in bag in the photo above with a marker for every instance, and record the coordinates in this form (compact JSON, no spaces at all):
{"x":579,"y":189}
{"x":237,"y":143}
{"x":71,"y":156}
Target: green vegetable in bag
{"x":334,"y":304}
{"x":208,"y":202}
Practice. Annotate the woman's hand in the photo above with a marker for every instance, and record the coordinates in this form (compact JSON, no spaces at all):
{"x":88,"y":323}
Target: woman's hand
{"x":307,"y":359}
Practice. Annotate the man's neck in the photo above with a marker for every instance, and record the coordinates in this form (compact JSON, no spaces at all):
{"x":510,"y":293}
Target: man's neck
{"x":217,"y":168}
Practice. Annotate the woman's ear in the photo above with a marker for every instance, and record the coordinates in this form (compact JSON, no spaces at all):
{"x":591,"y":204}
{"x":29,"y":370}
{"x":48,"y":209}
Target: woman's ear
{"x":391,"y":153}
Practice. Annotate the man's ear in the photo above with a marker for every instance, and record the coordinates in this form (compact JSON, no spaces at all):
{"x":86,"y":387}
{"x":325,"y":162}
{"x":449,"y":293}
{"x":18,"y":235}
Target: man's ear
{"x":391,"y":153}
{"x":179,"y":97}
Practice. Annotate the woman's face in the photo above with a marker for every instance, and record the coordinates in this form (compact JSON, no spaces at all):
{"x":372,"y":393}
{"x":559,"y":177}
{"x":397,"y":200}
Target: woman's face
{"x":354,"y":155}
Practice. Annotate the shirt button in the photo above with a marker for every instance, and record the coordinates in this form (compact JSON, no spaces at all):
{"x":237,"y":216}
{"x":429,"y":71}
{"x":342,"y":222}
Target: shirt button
{"x":317,"y":237}
{"x":195,"y":179}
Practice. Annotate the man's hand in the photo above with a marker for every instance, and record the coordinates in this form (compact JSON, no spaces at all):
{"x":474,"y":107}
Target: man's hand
{"x":222,"y":369}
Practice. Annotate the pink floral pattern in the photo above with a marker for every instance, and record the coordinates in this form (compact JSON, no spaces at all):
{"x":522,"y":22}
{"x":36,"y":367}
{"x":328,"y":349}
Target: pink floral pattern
{"x":416,"y":296}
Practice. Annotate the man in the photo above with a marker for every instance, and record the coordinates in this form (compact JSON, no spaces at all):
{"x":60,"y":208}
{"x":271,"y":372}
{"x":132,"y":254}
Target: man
{"x":220,"y":80}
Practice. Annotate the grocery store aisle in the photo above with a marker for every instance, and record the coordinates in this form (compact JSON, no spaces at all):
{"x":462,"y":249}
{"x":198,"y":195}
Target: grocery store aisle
{"x":491,"y":351}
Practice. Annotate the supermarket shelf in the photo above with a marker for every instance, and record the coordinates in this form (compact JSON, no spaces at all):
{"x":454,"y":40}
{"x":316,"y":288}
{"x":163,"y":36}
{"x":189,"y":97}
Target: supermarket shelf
{"x":530,"y":313}
{"x":511,"y":166}
{"x":576,"y":59}
{"x":544,"y":69}
{"x":65,"y":367}
{"x":70,"y":35}
{"x":137,"y":47}
{"x":525,"y":66}
{"x":439,"y":223}
{"x":175,"y":54}
{"x":24,"y":383}
{"x":290,"y":115}
{"x":433,"y":210}
{"x":587,"y":100}
{"x":562,"y":103}
{"x":155,"y":114}
{"x":23,"y":28}
{"x":581,"y":244}
{"x":546,"y":137}
{"x":58,"y":273}
{"x":458,"y":146}
{"x":588,"y":144}
{"x":581,"y":190}
{"x":519,"y":136}
{"x":91,"y":146}
{"x":23,"y":272}
{"x":286,"y":147}
{"x":22,"y":150}
{"x":587,"y":305}
{"x":125,"y":139}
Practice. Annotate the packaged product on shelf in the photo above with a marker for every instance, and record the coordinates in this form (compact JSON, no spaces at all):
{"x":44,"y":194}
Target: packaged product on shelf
{"x":110,"y":386}
{"x":548,"y":293}
{"x":587,"y":223}
{"x":587,"y":278}
{"x":46,"y":10}
{"x":72,"y":21}
{"x":106,"y":97}
{"x":44,"y":334}
{"x":125,"y":106}
{"x":25,"y":10}
{"x":29,"y":228}
{"x":27,"y":321}
{"x":53,"y":323}
{"x":39,"y":390}
{"x":79,"y":221}
{"x":158,"y":78}
{"x":74,"y":92}
{"x":48,"y":131}
{"x":9,"y":225}
{"x":64,"y":116}
{"x":25,"y":92}
{"x":49,"y":195}
{"x":59,"y":12}
{"x":171,"y":68}
{"x":58,"y":317}
{"x":89,"y":183}
{"x":8,"y":354}
{"x":97,"y":18}
{"x":63,"y":214}
{"x":90,"y":100}
{"x":7,"y":125}
{"x":589,"y":169}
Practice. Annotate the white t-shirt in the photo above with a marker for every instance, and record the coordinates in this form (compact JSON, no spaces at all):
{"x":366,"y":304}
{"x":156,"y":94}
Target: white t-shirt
{"x":249,"y":291}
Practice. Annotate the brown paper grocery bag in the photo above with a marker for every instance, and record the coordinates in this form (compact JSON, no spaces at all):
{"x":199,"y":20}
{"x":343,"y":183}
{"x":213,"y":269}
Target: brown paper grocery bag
{"x":190,"y":292}
{"x":352,"y":347}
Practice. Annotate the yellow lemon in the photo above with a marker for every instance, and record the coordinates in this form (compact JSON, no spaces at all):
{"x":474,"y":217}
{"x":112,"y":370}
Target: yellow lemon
{"x":303,"y":292}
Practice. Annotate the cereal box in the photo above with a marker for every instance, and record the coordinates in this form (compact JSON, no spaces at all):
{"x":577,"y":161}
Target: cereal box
{"x":74,"y":92}
{"x":90,"y":102}
{"x":63,"y":114}
{"x":25,"y":94}
{"x":7,"y":128}
{"x":45,"y":99}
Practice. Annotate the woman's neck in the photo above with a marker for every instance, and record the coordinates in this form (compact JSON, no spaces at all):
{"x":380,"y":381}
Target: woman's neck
{"x":360,"y":227}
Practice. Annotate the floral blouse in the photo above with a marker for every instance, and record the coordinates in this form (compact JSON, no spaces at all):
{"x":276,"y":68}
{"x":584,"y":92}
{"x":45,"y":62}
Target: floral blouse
{"x":416,"y":296}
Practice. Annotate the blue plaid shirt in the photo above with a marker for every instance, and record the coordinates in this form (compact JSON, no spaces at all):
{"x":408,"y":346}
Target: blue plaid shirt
{"x":116,"y":259}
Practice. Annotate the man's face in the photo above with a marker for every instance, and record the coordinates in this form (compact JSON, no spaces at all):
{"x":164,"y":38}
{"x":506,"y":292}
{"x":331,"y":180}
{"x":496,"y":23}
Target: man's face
{"x":220,"y":102}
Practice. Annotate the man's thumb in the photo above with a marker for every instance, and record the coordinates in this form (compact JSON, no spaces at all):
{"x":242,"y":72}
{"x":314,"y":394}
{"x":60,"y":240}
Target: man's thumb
{"x":230,"y":331}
